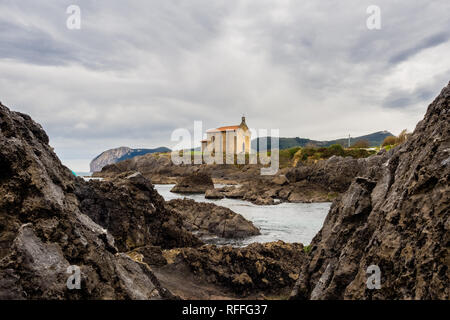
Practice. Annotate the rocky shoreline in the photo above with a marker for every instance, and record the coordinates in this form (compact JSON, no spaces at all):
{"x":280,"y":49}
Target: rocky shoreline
{"x":118,"y":233}
{"x":322,"y":181}
{"x":392,"y":211}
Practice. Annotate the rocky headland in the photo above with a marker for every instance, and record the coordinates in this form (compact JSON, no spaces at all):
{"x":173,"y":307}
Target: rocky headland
{"x":120,"y":154}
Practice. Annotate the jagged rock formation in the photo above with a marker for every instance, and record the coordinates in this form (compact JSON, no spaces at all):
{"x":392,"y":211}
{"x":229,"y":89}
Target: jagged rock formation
{"x":210,"y":219}
{"x":194,"y":183}
{"x":396,"y":216}
{"x":43,"y":230}
{"x":133,"y":212}
{"x":120,"y":154}
{"x":335,"y":173}
{"x":267,"y":269}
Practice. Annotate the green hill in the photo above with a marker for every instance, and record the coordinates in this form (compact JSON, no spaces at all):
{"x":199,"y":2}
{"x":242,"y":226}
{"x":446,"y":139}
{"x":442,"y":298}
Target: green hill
{"x":374,"y":139}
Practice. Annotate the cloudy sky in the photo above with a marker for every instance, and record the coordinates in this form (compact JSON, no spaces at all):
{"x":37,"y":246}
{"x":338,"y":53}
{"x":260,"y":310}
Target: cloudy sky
{"x":137,"y":70}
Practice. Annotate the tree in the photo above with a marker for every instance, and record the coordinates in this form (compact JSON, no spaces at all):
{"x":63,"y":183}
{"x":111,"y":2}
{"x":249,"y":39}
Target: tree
{"x":403,"y":136}
{"x":390,"y":140}
{"x":361,"y":144}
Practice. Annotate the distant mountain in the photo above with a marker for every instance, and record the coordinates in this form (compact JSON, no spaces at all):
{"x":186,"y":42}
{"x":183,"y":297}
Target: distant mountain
{"x":120,"y":154}
{"x":374,"y":139}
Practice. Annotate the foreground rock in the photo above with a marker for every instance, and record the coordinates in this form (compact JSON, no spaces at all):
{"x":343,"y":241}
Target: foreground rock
{"x":210,"y":272}
{"x":210,"y":219}
{"x":133,"y":212}
{"x":194,"y":183}
{"x":43,"y":231}
{"x":395,"y":216}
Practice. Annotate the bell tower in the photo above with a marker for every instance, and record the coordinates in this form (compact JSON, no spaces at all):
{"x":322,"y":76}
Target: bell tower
{"x":243,"y":125}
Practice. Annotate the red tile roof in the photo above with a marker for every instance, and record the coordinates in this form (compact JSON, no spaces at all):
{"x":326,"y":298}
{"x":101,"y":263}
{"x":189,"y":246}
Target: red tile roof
{"x":226,"y":128}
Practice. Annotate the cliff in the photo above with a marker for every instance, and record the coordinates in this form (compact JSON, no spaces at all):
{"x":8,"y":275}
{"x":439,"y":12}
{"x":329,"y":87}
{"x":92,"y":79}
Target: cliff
{"x":120,"y":154}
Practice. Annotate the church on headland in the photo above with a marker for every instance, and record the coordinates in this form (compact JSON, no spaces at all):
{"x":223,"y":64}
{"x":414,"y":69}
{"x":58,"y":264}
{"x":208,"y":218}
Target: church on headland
{"x":234,"y":139}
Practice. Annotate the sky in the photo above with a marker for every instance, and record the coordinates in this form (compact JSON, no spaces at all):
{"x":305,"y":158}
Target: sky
{"x":137,"y":70}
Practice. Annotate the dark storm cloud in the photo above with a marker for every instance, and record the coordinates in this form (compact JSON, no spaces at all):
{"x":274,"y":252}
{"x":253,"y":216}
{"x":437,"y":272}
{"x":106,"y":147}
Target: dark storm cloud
{"x":429,"y":42}
{"x":137,"y":70}
{"x":405,"y":99}
{"x":29,"y":45}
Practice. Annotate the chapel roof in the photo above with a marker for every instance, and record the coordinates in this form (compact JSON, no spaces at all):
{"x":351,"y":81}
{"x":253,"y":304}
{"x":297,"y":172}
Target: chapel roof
{"x":221,"y":129}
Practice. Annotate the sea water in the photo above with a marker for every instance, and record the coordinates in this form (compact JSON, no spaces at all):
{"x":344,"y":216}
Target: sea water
{"x":289,"y":222}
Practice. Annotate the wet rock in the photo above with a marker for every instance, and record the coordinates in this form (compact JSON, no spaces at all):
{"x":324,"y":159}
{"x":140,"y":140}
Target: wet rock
{"x":210,"y":219}
{"x":263,"y":201}
{"x":213,"y":194}
{"x":395,"y":216}
{"x":194,"y":183}
{"x":235,"y":193}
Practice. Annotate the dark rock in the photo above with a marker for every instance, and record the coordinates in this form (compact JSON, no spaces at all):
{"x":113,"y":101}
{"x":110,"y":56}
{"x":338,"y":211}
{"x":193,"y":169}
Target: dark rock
{"x":335,"y":173}
{"x":133,"y":212}
{"x":151,"y":255}
{"x":194,"y":183}
{"x":269,"y":268}
{"x":43,"y":230}
{"x":395,"y":216}
{"x":210,"y":219}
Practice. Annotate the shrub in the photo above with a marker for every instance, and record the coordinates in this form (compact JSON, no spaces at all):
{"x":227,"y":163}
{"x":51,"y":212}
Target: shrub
{"x":403,"y":136}
{"x":333,"y":150}
{"x":393,"y":141}
{"x":388,"y":141}
{"x":361,"y":144}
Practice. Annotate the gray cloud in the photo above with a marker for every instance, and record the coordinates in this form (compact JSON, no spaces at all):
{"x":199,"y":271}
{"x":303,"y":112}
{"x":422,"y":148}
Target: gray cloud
{"x":429,"y":42}
{"x":138,"y":70}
